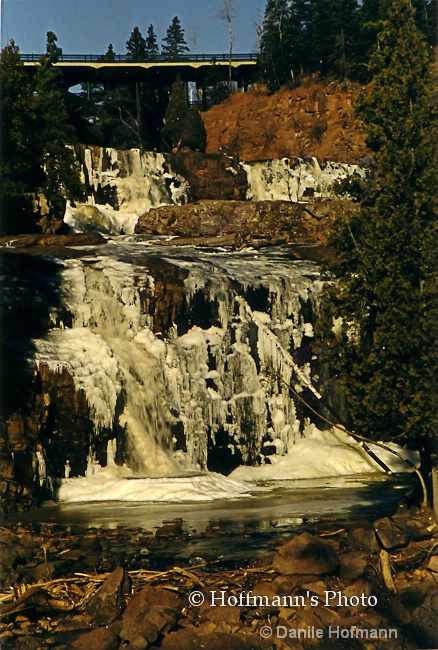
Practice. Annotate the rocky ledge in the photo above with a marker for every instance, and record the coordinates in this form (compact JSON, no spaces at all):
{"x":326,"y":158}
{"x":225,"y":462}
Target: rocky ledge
{"x":54,"y":245}
{"x":241,"y":223}
{"x":355,"y":587}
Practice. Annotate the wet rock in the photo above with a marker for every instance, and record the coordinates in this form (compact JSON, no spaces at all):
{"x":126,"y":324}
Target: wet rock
{"x":108,"y":602}
{"x":100,"y":639}
{"x":171,"y":529}
{"x":363,"y":539}
{"x":388,"y":534}
{"x":9,"y":556}
{"x":248,"y":221}
{"x":353,"y":565}
{"x":25,"y":643}
{"x":72,"y":624}
{"x":433,"y":564}
{"x":151,"y":612}
{"x":138,"y":636}
{"x":28,"y":241}
{"x":425,"y":621}
{"x":306,"y":554}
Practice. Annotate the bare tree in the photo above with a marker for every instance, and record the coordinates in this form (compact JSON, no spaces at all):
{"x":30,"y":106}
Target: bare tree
{"x":258,"y":24}
{"x":228,"y":13}
{"x":193,"y":38}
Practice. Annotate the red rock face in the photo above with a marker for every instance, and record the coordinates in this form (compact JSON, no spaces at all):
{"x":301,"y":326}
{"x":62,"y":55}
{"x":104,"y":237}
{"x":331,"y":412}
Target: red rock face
{"x":211,"y":176}
{"x":312,"y":120}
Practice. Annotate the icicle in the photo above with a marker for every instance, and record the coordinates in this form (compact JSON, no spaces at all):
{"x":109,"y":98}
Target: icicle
{"x":41,"y":466}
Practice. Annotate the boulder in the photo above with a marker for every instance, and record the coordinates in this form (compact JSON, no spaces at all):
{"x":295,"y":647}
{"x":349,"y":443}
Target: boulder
{"x":248,"y":221}
{"x":151,"y":612}
{"x":306,"y":555}
{"x":425,"y":621}
{"x":100,"y":639}
{"x":389,"y":535}
{"x":363,"y":539}
{"x":171,"y":529}
{"x":108,"y":602}
{"x":353,"y":565}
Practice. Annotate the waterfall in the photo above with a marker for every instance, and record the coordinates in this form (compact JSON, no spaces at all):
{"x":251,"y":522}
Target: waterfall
{"x":293,"y":179}
{"x":186,"y":357}
{"x":125,"y":184}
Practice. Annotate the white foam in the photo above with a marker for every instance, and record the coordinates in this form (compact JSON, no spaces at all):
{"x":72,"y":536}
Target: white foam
{"x":119,"y":484}
{"x":324,"y":454}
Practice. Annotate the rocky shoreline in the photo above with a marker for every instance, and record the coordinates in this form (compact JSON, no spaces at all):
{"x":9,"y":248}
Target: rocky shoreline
{"x":328,"y":585}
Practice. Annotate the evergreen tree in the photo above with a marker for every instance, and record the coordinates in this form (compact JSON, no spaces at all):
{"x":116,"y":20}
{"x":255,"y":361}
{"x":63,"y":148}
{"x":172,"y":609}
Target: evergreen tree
{"x":385,"y":352}
{"x":136,"y":46}
{"x":53,"y":52}
{"x":151,"y":43}
{"x":175,"y":116}
{"x":55,"y":136}
{"x":193,"y":133}
{"x":19,"y":163}
{"x":109,"y":55}
{"x":174,"y":43}
{"x":333,"y":37}
{"x":276,"y":47}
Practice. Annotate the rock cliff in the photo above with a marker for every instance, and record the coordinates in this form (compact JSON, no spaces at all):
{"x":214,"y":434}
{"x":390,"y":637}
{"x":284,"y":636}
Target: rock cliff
{"x":312,"y":120}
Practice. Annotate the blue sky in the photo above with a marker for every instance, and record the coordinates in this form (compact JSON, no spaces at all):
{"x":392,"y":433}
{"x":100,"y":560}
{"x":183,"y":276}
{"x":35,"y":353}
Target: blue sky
{"x":88,"y":26}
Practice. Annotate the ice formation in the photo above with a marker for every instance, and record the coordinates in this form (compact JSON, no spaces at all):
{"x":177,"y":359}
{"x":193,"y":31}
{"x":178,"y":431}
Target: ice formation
{"x":212,"y":390}
{"x":125,"y":184}
{"x":293,"y":179}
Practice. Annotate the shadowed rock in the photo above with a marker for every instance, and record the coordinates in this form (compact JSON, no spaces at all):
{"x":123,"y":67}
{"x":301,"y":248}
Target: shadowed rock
{"x":305,"y":555}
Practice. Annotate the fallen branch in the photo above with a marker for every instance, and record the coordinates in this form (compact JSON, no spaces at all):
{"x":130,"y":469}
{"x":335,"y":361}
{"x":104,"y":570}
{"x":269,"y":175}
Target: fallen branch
{"x":385,"y":565}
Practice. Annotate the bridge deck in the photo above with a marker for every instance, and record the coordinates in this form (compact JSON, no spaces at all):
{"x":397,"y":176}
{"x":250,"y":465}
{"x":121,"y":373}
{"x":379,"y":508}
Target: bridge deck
{"x":82,"y":68}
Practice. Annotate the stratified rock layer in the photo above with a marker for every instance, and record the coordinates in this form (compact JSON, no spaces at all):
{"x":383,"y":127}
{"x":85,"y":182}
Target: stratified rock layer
{"x":246,"y":222}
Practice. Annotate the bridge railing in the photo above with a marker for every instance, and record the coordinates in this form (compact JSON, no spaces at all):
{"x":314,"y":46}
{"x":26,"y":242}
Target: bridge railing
{"x":159,"y":58}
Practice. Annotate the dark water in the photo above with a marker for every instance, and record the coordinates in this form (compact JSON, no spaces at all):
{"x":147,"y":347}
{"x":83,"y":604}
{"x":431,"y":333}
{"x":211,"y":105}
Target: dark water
{"x":242,"y":529}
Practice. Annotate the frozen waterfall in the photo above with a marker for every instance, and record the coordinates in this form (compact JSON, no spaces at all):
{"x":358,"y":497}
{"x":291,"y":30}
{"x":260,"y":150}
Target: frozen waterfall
{"x":125,"y":184}
{"x":208,"y":387}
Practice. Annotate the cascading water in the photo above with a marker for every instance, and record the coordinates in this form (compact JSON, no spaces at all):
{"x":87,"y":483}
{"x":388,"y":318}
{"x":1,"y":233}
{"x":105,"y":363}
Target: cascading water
{"x":293,"y":179}
{"x":211,"y":390}
{"x":125,"y":184}
{"x":122,"y":185}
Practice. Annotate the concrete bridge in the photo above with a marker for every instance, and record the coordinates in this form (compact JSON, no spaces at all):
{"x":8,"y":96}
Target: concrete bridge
{"x":92,"y":68}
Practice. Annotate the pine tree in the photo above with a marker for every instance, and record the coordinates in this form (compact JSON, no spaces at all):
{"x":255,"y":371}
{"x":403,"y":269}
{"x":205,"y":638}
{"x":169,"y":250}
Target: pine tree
{"x":385,"y":353}
{"x":109,"y":54}
{"x":194,"y":134}
{"x":175,"y":115}
{"x":55,"y":136}
{"x":19,"y":164}
{"x":136,"y":46}
{"x":53,"y":52}
{"x":276,"y":48}
{"x":333,"y":36}
{"x":151,"y":43}
{"x":174,"y":44}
